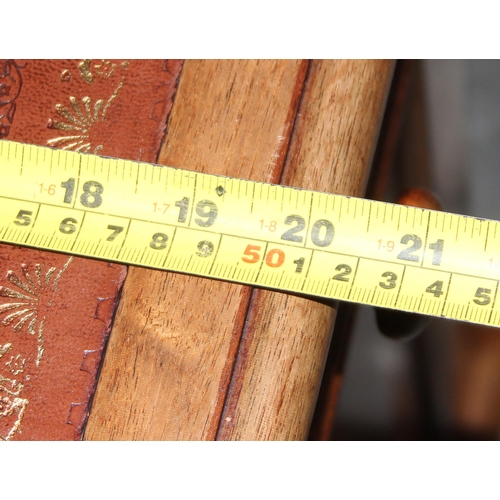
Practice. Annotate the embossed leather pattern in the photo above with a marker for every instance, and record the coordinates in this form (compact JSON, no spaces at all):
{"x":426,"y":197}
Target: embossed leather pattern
{"x":56,"y":311}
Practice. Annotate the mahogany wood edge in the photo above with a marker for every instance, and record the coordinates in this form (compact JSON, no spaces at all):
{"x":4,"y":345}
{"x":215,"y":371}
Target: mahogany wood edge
{"x":225,"y":435}
{"x":240,"y":348}
{"x":383,"y":159}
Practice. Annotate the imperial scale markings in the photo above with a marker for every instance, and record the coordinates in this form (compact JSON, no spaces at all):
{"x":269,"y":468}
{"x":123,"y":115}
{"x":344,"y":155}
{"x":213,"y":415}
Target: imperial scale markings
{"x":290,"y":239}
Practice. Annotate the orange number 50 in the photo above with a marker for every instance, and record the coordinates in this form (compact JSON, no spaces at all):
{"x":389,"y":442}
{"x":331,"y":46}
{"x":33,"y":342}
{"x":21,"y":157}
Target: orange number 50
{"x":274,"y":258}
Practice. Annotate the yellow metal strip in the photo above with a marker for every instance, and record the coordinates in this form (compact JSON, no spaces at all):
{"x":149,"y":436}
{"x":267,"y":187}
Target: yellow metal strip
{"x":278,"y":237}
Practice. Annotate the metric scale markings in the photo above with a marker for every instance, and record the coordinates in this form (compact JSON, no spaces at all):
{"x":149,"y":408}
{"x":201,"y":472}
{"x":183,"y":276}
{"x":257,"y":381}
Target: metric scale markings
{"x":288,"y":239}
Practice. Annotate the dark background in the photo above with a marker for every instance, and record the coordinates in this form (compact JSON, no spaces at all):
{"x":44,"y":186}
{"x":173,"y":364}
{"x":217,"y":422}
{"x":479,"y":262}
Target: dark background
{"x":444,"y":384}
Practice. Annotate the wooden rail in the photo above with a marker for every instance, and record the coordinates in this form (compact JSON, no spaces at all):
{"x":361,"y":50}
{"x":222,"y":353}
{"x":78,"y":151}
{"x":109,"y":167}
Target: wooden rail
{"x":190,"y":358}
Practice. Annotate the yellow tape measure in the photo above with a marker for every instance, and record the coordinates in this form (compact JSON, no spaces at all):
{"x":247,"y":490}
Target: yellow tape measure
{"x":284,"y":238}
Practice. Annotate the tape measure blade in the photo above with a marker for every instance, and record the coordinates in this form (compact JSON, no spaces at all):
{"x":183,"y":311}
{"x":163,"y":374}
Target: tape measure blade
{"x":282,"y":238}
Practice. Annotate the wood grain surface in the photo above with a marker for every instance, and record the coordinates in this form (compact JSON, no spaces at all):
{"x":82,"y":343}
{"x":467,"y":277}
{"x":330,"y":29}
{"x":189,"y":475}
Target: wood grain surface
{"x":172,"y":349}
{"x":192,"y":358}
{"x":286,"y":338}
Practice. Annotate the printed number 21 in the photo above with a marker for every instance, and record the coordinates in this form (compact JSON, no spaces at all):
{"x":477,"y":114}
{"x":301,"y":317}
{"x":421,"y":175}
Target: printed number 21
{"x":416,"y":244}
